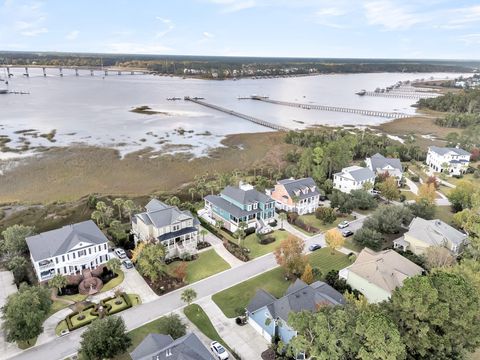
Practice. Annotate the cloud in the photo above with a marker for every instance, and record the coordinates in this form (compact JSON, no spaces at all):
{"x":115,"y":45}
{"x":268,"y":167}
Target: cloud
{"x":169,"y":27}
{"x":470,"y":39}
{"x":137,"y":48}
{"x":463,"y":17}
{"x":26,"y":19}
{"x":208,"y":35}
{"x":230,"y":6}
{"x":390,"y":15}
{"x":72,"y":35}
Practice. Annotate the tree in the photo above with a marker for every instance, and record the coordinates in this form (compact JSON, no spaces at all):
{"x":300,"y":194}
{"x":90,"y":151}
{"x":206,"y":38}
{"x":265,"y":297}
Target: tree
{"x":138,"y":250}
{"x":437,"y":257}
{"x":25,"y":312}
{"x":389,"y":189}
{"x":105,"y":338}
{"x":219,"y":224}
{"x":289,"y":255}
{"x":203,"y":233}
{"x":369,"y":237}
{"x":307,"y":276}
{"x":422,"y":208}
{"x":173,"y":201}
{"x":118,"y":202}
{"x":334,"y":239}
{"x":379,"y":337}
{"x":388,"y":219}
{"x":180,"y":271}
{"x":58,"y":282}
{"x":150,"y":262}
{"x":434,"y":181}
{"x":282,"y":217}
{"x":427,"y":193}
{"x":18,"y":266}
{"x":192,"y":191}
{"x":188,"y":296}
{"x":114,"y":264}
{"x":325,"y":214}
{"x":14,"y":242}
{"x":461,"y":196}
{"x":172,"y":325}
{"x":128,"y":208}
{"x":240,"y":232}
{"x":343,"y":202}
{"x":363,"y":200}
{"x":97,"y":217}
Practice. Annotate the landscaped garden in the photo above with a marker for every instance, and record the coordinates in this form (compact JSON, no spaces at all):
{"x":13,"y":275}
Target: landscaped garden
{"x":252,"y":242}
{"x":235,"y":299}
{"x":206,"y":264}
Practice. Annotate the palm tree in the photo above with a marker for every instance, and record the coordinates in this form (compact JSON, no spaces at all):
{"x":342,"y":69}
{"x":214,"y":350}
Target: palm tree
{"x":188,"y":296}
{"x":173,"y":201}
{"x":295,"y":200}
{"x":97,"y":217}
{"x":282,"y":216}
{"x":114,"y":265}
{"x":241,"y":232}
{"x":128,"y":208}
{"x":203,"y":232}
{"x":192,"y":192}
{"x":58,"y":282}
{"x":219,"y":224}
{"x":118,"y":202}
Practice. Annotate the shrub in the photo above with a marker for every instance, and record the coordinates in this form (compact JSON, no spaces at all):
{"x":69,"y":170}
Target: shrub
{"x":369,"y":237}
{"x":415,"y":178}
{"x":237,"y":251}
{"x":325,"y":214}
{"x":249,"y":231}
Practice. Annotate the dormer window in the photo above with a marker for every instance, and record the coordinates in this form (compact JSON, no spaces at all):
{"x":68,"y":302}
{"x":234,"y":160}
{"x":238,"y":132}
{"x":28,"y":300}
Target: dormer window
{"x":255,"y":206}
{"x":249,"y":207}
{"x":297,"y":192}
{"x":312,"y":188}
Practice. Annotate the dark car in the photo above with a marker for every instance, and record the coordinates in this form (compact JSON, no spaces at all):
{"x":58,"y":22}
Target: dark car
{"x":347,"y":233}
{"x":314,"y":247}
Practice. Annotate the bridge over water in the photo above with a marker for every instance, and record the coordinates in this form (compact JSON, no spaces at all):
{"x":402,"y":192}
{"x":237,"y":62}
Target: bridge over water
{"x":237,"y":114}
{"x":384,"y":114}
{"x":89,"y":70}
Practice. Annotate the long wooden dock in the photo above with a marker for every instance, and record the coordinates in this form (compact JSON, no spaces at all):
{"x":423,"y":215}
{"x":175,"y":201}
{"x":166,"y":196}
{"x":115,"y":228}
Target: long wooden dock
{"x":403,"y":95}
{"x":237,"y":114}
{"x":384,"y":114}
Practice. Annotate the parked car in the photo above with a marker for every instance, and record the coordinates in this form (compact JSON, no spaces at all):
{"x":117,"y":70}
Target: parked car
{"x":347,"y":233}
{"x":343,"y":224}
{"x":322,"y":198}
{"x":127,"y":263}
{"x":314,"y":247}
{"x":121,"y":253}
{"x":218,"y":350}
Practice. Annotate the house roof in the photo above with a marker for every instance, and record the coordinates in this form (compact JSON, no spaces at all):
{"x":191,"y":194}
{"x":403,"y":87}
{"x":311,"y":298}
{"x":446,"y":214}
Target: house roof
{"x":358,"y":173}
{"x":299,"y":296}
{"x":434,"y":232}
{"x":379,"y":161}
{"x":386,"y":269}
{"x":446,"y":150}
{"x":163,"y":347}
{"x":229,"y":207}
{"x":299,"y":185}
{"x":160,"y":214}
{"x":59,"y":241}
{"x":245,"y":197}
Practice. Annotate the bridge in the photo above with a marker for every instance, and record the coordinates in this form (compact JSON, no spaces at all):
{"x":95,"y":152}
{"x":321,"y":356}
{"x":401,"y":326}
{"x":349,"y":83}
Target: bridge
{"x":105,"y":71}
{"x":237,"y":114}
{"x":416,"y":95}
{"x":384,"y":114}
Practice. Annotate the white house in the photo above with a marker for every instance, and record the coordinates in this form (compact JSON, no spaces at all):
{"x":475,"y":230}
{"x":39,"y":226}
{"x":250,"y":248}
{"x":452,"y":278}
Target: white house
{"x":175,"y":229}
{"x":453,"y":161}
{"x":297,"y":195}
{"x":68,"y":250}
{"x":353,"y":178}
{"x":380,"y":164}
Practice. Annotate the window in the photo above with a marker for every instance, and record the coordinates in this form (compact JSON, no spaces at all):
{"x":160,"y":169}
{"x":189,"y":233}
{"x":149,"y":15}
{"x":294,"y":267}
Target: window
{"x":82,"y":253}
{"x":89,"y":251}
{"x":56,"y":260}
{"x":63,"y":258}
{"x":105,"y":246}
{"x":73,"y":254}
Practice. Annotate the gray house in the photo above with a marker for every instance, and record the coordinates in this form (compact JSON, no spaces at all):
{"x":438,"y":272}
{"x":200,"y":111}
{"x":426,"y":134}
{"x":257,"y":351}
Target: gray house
{"x":163,"y":347}
{"x":269,"y":315}
{"x":380,"y":164}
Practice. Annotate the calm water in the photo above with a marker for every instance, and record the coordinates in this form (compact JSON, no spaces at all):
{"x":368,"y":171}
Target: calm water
{"x":95,"y":111}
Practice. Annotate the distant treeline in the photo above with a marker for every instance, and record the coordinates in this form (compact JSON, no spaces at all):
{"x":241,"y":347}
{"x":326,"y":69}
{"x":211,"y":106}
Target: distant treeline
{"x":463,"y":108}
{"x":228,"y":67}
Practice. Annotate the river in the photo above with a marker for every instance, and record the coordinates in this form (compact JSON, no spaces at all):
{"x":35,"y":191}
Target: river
{"x":96,"y":110}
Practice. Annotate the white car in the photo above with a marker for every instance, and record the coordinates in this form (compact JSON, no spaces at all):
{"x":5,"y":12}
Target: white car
{"x":343,"y":224}
{"x":218,"y":350}
{"x":120,"y":253}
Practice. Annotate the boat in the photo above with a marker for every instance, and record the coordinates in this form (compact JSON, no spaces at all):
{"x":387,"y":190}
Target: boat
{"x":3,"y":91}
{"x":361,"y":92}
{"x":198,"y":98}
{"x":174,"y":98}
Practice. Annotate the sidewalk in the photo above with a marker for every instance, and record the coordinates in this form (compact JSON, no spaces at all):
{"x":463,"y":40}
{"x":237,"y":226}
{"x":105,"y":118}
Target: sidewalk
{"x":50,"y":324}
{"x":217,"y":244}
{"x":244,"y":340}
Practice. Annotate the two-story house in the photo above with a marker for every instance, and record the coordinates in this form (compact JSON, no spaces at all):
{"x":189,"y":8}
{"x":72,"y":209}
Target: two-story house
{"x":240,"y":204}
{"x":423,"y":234}
{"x":161,"y":223}
{"x":453,"y":161}
{"x":353,"y":178}
{"x":269,"y":315}
{"x":68,"y":250}
{"x":297,"y":195}
{"x":380,"y":164}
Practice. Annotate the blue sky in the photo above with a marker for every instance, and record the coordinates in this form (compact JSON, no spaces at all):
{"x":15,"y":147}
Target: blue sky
{"x":443,"y":29}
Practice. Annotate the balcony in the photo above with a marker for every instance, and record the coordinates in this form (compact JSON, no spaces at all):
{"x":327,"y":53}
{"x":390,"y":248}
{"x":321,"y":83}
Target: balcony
{"x":46,"y":265}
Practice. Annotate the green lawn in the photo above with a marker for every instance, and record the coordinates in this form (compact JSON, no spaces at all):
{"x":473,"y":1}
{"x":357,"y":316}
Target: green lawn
{"x":114,"y":282}
{"x":444,"y":213}
{"x":207,"y":264}
{"x":26,"y":344}
{"x":196,"y":315}
{"x":311,"y":220}
{"x":257,"y":249}
{"x":273,"y":281}
{"x":408,"y":195}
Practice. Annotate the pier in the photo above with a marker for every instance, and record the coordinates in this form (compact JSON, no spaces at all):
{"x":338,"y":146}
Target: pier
{"x":402,"y":95}
{"x":384,"y":114}
{"x":78,"y":70}
{"x":237,"y":114}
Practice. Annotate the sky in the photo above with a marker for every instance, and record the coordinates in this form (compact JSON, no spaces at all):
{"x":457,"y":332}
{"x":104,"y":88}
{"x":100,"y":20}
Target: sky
{"x":411,"y":29}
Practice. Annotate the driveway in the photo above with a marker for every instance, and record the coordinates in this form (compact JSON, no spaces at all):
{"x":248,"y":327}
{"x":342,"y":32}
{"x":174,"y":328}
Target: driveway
{"x":226,"y":255}
{"x":7,"y":287}
{"x":244,"y":340}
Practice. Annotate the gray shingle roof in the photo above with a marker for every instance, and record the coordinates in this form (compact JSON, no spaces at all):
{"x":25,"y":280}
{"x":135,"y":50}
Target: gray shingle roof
{"x":299,"y":296}
{"x":444,"y":150}
{"x":160,"y":214}
{"x":245,"y":197}
{"x":358,"y":173}
{"x":59,"y":241}
{"x":163,"y":347}
{"x":292,"y":185}
{"x":435,"y":232}
{"x":380,"y":162}
{"x":229,"y":207}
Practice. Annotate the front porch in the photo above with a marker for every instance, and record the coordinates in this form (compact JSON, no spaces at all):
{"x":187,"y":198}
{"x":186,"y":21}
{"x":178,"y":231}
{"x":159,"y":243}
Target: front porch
{"x":181,"y":242}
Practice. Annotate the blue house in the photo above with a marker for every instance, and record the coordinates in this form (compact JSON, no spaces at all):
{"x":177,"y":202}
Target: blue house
{"x":269,"y":315}
{"x":240,"y":204}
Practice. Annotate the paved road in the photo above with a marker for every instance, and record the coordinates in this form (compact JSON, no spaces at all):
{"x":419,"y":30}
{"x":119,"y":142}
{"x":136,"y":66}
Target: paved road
{"x":60,"y":348}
